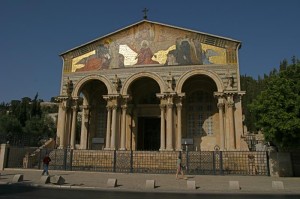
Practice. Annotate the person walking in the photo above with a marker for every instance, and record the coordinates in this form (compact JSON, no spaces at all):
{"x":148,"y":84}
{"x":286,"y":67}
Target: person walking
{"x":179,"y":167}
{"x":46,"y":162}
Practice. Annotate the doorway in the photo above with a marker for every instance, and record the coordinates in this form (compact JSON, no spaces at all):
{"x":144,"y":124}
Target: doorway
{"x":148,"y":137}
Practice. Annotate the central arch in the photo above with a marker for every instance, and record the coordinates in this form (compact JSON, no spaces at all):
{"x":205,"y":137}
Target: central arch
{"x":154,"y":76}
{"x":146,"y":113}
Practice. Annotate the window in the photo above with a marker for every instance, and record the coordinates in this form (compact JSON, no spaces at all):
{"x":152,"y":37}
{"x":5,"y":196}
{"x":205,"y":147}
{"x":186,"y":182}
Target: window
{"x":200,"y":109}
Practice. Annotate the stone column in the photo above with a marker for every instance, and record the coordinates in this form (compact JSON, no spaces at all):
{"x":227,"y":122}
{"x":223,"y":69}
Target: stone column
{"x":162,"y":127}
{"x":73,"y":129}
{"x":123,"y":127}
{"x":230,"y":105}
{"x":221,"y":125}
{"x":179,"y":133}
{"x":3,"y":156}
{"x":84,"y":127}
{"x":62,"y":124}
{"x":108,"y":128}
{"x":169,"y":127}
{"x":113,"y":128}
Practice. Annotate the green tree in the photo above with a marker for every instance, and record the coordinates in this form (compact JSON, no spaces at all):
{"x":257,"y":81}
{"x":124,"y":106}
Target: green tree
{"x":9,"y":126}
{"x":277,"y":111}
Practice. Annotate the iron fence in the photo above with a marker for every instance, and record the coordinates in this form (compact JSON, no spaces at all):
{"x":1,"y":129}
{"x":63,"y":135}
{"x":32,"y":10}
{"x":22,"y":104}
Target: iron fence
{"x":195,"y":162}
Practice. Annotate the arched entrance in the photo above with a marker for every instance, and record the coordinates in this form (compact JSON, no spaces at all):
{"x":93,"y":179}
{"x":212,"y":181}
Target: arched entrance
{"x":146,"y":113}
{"x":93,"y":114}
{"x":200,"y":111}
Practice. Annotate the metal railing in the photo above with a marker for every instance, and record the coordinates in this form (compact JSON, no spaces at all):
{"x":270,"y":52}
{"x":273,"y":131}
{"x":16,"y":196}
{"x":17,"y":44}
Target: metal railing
{"x":195,"y":162}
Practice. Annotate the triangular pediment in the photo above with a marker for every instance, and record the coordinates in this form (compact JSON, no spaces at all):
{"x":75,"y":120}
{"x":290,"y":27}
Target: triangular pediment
{"x":149,"y":43}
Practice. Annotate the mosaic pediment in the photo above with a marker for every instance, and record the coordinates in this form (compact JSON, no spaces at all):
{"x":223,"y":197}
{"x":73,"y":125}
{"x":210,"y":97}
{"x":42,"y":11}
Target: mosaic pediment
{"x":151,"y":44}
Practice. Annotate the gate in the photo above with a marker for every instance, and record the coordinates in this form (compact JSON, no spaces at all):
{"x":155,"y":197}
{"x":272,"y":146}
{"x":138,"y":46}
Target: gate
{"x":295,"y":156}
{"x":196,"y":162}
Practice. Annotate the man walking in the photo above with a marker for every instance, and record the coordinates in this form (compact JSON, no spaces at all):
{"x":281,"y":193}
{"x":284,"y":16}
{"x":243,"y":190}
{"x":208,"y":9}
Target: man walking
{"x":46,"y":162}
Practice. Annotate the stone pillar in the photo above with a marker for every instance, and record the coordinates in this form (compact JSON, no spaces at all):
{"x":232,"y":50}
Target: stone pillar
{"x":123,"y":127}
{"x":73,"y":129}
{"x":230,"y":105}
{"x":108,"y":128}
{"x":113,"y":128}
{"x":179,"y":133}
{"x":62,"y":124}
{"x":162,"y":127}
{"x":221,"y":125}
{"x":84,"y":127}
{"x":169,"y":127}
{"x":3,"y":155}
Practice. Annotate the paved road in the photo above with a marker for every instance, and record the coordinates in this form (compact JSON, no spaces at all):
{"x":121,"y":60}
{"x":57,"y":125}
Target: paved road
{"x":163,"y":182}
{"x":28,"y":192}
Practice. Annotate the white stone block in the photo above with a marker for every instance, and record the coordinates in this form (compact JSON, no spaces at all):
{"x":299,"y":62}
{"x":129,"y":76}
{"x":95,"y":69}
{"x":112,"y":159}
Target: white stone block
{"x":150,"y":184}
{"x":234,"y":185}
{"x":57,"y":180}
{"x":111,"y":182}
{"x":191,"y":184}
{"x":277,"y":185}
{"x":45,"y":179}
{"x":17,"y":178}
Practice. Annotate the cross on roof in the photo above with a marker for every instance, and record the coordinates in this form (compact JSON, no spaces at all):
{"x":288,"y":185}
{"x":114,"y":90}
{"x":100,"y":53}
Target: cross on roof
{"x":145,"y":13}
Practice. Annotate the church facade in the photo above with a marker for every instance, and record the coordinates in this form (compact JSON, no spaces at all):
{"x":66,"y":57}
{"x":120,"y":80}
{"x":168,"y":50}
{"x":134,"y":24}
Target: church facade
{"x":152,"y":86}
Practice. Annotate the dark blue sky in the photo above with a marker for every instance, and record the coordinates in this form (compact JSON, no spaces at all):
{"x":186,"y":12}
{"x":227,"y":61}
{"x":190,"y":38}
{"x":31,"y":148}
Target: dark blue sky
{"x":34,"y":32}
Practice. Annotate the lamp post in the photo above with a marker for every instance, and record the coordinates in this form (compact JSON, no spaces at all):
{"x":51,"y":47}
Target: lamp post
{"x":186,"y":146}
{"x":187,"y":157}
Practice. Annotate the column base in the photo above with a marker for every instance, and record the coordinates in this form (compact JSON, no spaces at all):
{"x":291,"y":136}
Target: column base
{"x":122,"y":149}
{"x":162,"y":149}
{"x":169,"y":149}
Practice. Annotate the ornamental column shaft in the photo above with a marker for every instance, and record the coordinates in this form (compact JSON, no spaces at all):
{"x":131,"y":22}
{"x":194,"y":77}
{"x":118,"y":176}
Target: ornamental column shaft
{"x":73,"y":129}
{"x":61,"y":126}
{"x":84,"y":127}
{"x":221,"y":125}
{"x":162,"y":128}
{"x":123,"y":127}
{"x":169,"y":126}
{"x":113,"y":128}
{"x":230,"y":105}
{"x":179,"y":133}
{"x":108,"y":128}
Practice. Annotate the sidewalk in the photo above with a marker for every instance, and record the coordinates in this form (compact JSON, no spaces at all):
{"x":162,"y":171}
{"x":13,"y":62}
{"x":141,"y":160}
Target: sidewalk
{"x":163,"y":182}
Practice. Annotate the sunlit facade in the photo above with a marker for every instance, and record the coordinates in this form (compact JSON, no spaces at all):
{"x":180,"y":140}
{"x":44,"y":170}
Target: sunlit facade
{"x":152,"y":86}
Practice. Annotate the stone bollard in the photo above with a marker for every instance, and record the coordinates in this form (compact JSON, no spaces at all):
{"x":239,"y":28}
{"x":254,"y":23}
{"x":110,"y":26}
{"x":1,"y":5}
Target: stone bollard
{"x":150,"y":184}
{"x":277,"y":185}
{"x":111,"y":182}
{"x":234,"y":185}
{"x":45,"y":179}
{"x":57,"y":180}
{"x":191,"y":184}
{"x":17,"y":178}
